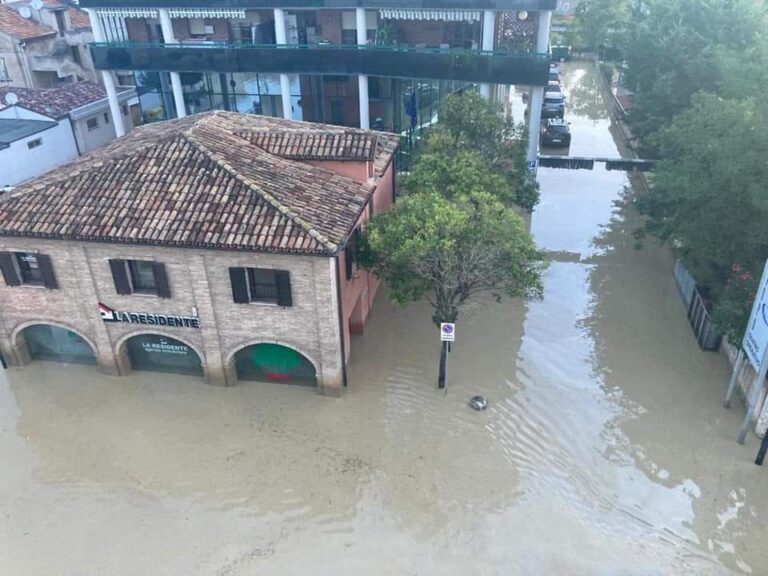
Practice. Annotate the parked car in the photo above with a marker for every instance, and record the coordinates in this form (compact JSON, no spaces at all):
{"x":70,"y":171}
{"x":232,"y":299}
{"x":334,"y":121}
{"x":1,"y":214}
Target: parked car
{"x":554,"y":77}
{"x":552,"y":88}
{"x":554,"y":105}
{"x":561,"y":53}
{"x":556,"y":134}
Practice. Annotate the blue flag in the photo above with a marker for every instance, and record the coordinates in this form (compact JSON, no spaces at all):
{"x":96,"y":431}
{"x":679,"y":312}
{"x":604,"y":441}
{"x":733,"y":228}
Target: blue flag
{"x":410,"y":109}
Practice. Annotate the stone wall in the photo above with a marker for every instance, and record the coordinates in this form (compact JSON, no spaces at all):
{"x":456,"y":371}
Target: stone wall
{"x":199,"y":282}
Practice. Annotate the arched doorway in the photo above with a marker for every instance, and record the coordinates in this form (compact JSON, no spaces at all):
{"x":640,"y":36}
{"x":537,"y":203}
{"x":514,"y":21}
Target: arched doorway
{"x":274,"y":363}
{"x":159,"y":353}
{"x":57,"y":344}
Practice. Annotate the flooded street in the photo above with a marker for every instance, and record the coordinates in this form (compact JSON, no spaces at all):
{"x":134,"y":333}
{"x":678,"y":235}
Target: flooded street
{"x":605,"y":448}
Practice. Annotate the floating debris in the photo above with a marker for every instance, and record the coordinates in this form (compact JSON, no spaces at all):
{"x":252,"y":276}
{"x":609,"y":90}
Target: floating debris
{"x":478,"y":402}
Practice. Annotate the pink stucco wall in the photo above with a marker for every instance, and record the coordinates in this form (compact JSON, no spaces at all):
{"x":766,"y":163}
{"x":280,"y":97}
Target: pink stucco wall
{"x":358,"y":293}
{"x":358,"y":171}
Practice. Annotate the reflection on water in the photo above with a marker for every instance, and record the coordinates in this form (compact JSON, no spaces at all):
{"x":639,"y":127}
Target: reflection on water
{"x":604,"y":449}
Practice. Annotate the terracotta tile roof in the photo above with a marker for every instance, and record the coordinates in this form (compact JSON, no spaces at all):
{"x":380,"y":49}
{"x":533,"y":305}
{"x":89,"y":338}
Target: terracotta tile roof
{"x":56,"y":102}
{"x":317,"y":146}
{"x":13,"y":24}
{"x":307,"y":141}
{"x":79,"y":19}
{"x":192,"y":182}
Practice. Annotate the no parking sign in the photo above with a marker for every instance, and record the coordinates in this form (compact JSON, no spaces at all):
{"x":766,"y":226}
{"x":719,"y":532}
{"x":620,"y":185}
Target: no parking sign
{"x":447,"y":332}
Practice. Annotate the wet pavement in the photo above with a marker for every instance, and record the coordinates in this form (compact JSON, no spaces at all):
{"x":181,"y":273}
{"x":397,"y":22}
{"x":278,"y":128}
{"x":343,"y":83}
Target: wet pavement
{"x":605,"y":449}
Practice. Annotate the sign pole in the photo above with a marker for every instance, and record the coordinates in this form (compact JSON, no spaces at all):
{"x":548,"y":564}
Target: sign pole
{"x":447,"y":335}
{"x":763,"y":449}
{"x":757,"y":392}
{"x":734,"y":377}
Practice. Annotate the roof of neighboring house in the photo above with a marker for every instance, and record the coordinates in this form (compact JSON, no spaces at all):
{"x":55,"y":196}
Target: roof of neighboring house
{"x":79,"y":18}
{"x":56,"y":102}
{"x":195,"y":182}
{"x":12,"y":130}
{"x":14,"y":24}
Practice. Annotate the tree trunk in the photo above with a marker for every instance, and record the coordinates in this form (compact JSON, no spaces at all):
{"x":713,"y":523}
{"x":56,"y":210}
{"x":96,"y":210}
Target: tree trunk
{"x":443,"y":365}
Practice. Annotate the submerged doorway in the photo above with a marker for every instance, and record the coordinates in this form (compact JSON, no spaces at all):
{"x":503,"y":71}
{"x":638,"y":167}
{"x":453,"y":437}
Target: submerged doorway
{"x":158,"y":353}
{"x":274,"y":363}
{"x":57,"y":344}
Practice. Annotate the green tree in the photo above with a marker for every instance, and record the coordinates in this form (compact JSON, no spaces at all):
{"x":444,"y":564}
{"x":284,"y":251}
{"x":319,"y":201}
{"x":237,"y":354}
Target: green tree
{"x":479,"y":128}
{"x":672,"y":50}
{"x":709,"y":199}
{"x":450,"y":251}
{"x":600,"y":22}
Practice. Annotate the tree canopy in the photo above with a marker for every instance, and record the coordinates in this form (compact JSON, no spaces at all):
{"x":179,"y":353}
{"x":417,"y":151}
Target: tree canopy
{"x":709,"y":193}
{"x":699,"y":74}
{"x":675,"y":48}
{"x":600,"y":22}
{"x":450,"y":250}
{"x":478,"y":129}
{"x":455,"y":234}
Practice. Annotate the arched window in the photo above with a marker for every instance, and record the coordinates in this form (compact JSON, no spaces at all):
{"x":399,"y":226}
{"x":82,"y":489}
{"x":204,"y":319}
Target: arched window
{"x":274,"y":363}
{"x":158,"y":353}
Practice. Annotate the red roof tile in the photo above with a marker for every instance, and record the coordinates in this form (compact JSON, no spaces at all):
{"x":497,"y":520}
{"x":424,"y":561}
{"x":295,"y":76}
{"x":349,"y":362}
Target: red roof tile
{"x":15,"y":25}
{"x":56,"y":102}
{"x":79,"y":19}
{"x":194,"y":182}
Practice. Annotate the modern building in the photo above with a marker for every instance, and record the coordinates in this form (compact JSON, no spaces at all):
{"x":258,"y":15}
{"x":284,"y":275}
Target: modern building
{"x":219,"y":245}
{"x":364,"y":63}
{"x":44,"y":43}
{"x":45,"y":129}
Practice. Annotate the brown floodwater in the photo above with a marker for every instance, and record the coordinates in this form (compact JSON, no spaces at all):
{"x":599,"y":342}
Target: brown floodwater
{"x":605,"y":448}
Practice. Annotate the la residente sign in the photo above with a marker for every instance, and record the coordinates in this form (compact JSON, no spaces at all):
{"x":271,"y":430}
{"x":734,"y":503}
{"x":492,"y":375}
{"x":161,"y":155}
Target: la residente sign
{"x":148,"y":318}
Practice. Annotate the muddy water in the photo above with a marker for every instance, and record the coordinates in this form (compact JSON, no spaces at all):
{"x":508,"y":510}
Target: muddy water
{"x":604,"y":450}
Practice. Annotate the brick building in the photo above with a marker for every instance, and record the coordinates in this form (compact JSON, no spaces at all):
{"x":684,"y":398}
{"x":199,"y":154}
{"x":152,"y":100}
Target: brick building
{"x":218,"y":245}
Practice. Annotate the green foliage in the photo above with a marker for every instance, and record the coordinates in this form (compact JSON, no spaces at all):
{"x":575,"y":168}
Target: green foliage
{"x":449,"y":250}
{"x":451,"y":170}
{"x":478,"y":130}
{"x":455,"y":234}
{"x":600,"y":22}
{"x":709,"y":197}
{"x":673,"y":49}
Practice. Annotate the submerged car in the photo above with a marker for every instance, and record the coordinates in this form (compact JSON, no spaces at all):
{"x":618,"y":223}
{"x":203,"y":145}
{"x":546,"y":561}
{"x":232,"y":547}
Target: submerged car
{"x":554,"y":105}
{"x":557,"y":134}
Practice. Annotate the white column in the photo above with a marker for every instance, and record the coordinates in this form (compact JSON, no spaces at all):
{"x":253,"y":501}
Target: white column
{"x":489,"y":33}
{"x":542,"y":31}
{"x":537,"y":92}
{"x":362,"y":81}
{"x":534,"y":123}
{"x":285,"y":82}
{"x":280,"y":35}
{"x":169,"y":38}
{"x":109,"y":81}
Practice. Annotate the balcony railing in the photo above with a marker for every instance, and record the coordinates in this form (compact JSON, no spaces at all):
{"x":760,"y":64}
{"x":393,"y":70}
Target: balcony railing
{"x":497,"y":67}
{"x":333,"y":4}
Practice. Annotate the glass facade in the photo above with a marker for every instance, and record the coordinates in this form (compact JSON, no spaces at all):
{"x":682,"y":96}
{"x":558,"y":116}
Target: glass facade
{"x":403,"y":106}
{"x":274,"y":363}
{"x":53,"y":343}
{"x":156,"y":353}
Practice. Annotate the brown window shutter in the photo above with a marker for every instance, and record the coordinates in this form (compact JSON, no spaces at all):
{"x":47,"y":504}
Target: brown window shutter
{"x":348,"y":259}
{"x":284,"y":296}
{"x":239,"y":286}
{"x":8,"y":269}
{"x":46,"y":270}
{"x":120,"y":276}
{"x":161,"y":280}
